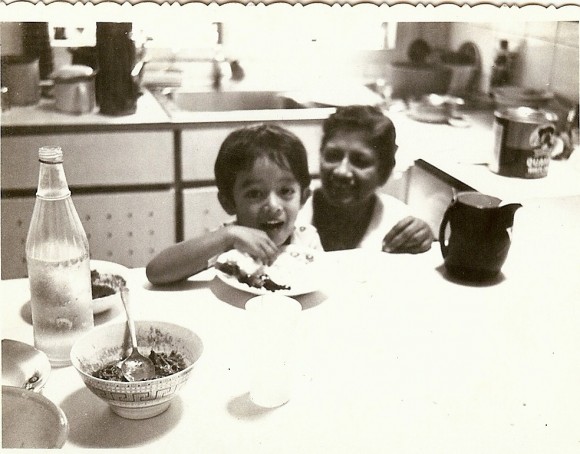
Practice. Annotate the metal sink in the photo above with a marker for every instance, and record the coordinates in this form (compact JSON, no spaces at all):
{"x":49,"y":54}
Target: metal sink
{"x":183,"y":100}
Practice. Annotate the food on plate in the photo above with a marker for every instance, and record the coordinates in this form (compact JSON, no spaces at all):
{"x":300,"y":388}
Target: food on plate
{"x":165,"y":365}
{"x":247,"y":270}
{"x":103,"y":284}
{"x":287,"y":269}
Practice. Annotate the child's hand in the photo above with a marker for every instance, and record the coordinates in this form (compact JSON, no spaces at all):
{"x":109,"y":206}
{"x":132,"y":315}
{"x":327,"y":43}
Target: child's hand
{"x":254,"y":242}
{"x":410,"y":235}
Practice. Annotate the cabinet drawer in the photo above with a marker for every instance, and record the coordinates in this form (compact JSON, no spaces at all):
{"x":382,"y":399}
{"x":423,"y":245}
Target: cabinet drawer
{"x":96,"y":159}
{"x":200,"y":146}
{"x":127,"y":228}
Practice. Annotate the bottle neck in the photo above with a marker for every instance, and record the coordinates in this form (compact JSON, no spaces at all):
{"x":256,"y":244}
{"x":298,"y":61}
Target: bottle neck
{"x":52,"y":184}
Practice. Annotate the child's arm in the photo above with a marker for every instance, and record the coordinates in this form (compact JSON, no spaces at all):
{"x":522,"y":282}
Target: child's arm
{"x":189,"y":257}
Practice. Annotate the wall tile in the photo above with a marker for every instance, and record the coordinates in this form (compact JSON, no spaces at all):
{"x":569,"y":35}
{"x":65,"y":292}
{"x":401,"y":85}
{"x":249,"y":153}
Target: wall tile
{"x":510,"y":28}
{"x":568,"y":33}
{"x":542,"y":30}
{"x":565,"y":74}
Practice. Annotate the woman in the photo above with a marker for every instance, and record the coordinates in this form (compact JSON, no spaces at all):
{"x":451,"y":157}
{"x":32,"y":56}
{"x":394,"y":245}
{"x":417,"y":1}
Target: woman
{"x":357,"y":157}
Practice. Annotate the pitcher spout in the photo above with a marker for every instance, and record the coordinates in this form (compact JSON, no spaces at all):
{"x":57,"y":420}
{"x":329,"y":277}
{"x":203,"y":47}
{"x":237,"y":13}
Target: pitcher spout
{"x":508,"y":212}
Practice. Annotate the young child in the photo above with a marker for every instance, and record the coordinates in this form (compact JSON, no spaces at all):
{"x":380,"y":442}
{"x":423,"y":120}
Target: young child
{"x":262,"y":177}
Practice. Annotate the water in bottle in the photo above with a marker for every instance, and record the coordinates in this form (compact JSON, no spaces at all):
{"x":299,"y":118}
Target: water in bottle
{"x":57,"y":254}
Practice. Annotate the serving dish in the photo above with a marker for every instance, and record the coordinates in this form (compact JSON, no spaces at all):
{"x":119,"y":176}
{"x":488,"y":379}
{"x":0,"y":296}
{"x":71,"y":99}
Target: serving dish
{"x":30,"y":420}
{"x":294,"y":267}
{"x":109,"y":343}
{"x":108,"y":272}
{"x":23,"y":366}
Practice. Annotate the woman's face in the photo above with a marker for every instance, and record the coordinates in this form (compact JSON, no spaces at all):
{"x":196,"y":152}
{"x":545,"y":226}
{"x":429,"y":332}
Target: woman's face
{"x":268,"y":198}
{"x":349,"y":169}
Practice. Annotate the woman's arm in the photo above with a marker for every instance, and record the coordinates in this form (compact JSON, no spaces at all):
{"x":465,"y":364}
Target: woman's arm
{"x":410,"y":235}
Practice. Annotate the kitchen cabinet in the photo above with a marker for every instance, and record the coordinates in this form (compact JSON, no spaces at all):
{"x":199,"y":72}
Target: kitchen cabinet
{"x":126,"y":204}
{"x":200,"y":145}
{"x":429,"y":194}
{"x":98,"y":159}
{"x":127,"y":228}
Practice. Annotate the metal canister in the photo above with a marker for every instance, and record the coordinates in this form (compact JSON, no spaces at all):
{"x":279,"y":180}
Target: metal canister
{"x":524,"y":139}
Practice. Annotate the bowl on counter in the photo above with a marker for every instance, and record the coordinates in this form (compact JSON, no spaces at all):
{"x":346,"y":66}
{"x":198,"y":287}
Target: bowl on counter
{"x":109,"y":343}
{"x":107,"y":278}
{"x":23,"y":366}
{"x":30,"y":420}
{"x":434,"y":108}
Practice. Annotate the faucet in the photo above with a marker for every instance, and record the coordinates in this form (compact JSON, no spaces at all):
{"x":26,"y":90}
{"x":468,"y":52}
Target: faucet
{"x":222,"y":67}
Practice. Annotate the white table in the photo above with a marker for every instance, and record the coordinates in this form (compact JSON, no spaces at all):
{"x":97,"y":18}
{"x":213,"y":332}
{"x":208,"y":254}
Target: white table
{"x":393,"y":357}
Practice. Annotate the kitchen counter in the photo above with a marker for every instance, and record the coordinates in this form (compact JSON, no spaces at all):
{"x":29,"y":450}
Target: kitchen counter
{"x":461,"y":156}
{"x":393,"y":356}
{"x":44,"y":118}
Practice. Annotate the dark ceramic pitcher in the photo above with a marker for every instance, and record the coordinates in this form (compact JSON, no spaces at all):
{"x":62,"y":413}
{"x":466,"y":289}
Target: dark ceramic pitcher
{"x":479,"y":238}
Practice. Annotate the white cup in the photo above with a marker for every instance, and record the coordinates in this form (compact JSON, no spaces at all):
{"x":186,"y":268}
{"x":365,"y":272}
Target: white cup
{"x":272,"y":320}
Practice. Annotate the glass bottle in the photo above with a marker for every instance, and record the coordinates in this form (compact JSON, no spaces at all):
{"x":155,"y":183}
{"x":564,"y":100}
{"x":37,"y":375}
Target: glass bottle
{"x":501,"y":69}
{"x":57,"y":254}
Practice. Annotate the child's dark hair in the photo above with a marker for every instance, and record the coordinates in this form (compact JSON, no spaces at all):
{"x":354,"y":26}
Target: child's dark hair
{"x":379,"y":129}
{"x":242,"y":147}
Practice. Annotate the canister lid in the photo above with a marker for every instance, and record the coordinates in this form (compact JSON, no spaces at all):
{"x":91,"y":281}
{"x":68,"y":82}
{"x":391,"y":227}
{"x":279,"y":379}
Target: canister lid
{"x":71,"y":73}
{"x":526,"y":115}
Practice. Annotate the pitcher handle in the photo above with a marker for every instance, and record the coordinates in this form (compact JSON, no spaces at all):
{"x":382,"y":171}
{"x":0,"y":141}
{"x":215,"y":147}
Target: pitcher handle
{"x":442,"y":227}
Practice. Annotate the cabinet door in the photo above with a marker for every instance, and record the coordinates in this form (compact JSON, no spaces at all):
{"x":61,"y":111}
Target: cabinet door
{"x":127,"y":228}
{"x":200,"y":146}
{"x":96,"y":159}
{"x":202,"y":211}
{"x":428,"y":196}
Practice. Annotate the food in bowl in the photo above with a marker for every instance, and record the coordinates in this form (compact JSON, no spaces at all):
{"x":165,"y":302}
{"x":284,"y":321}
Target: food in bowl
{"x":105,"y":284}
{"x":110,"y":342}
{"x":165,"y":364}
{"x":107,"y":278}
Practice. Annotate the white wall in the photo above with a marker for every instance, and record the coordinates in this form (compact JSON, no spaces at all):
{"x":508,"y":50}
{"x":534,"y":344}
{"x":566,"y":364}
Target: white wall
{"x":547,"y":52}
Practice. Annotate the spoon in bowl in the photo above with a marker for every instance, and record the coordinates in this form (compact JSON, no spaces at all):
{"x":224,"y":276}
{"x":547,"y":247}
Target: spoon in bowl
{"x":135,"y":367}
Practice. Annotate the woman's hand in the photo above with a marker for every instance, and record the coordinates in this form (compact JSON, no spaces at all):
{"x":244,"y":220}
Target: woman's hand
{"x":410,"y":235}
{"x":253,"y":242}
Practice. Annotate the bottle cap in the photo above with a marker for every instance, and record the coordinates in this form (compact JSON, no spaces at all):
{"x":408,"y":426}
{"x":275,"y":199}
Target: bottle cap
{"x":50,"y":154}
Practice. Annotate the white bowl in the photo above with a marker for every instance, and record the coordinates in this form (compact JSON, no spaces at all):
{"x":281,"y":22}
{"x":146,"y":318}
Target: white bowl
{"x":30,"y":420}
{"x":24,"y":366}
{"x":109,"y":343}
{"x":107,"y":270}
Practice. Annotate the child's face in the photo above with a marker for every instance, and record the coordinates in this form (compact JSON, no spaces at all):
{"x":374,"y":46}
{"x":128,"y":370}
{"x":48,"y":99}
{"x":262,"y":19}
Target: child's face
{"x":349,"y":169}
{"x":268,"y":198}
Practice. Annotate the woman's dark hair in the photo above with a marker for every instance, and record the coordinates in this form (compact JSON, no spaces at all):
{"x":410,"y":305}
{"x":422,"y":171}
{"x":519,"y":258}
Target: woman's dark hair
{"x":379,"y":129}
{"x":242,"y":147}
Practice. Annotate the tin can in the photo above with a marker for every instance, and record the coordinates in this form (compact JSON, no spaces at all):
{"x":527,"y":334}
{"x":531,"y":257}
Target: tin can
{"x":524,"y":139}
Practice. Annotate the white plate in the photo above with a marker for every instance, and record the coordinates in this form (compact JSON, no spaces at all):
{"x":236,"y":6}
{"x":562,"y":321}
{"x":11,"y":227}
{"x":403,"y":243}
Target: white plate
{"x":23,"y":365}
{"x":30,"y":420}
{"x":108,"y":268}
{"x":295,"y":267}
